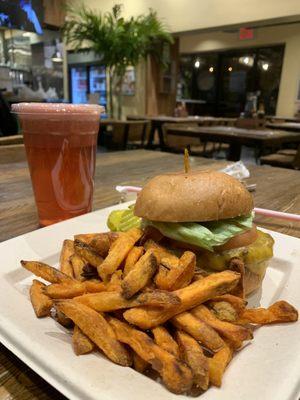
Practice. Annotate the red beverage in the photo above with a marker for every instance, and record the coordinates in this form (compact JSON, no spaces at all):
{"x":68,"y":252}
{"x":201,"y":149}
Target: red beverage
{"x":60,"y":142}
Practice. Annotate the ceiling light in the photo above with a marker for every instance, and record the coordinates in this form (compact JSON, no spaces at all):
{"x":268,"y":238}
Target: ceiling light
{"x":197,"y":64}
{"x":246,"y":60}
{"x":265,"y":66}
{"x":211,"y":69}
{"x":229,"y":69}
{"x":57,"y":57}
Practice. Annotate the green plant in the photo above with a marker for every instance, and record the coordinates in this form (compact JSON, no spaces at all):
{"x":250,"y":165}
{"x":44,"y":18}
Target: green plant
{"x":120,"y":42}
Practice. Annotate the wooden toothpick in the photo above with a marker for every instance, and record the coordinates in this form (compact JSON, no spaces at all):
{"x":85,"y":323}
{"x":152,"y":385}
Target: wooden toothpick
{"x":187,"y":166}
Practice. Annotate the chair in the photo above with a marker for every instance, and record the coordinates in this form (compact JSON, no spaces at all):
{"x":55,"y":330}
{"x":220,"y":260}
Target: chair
{"x":289,"y":159}
{"x":129,"y":134}
{"x":12,"y":153}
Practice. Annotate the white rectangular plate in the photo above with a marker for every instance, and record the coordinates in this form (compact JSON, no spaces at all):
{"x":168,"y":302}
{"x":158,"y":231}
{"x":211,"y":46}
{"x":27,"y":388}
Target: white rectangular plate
{"x":268,"y":368}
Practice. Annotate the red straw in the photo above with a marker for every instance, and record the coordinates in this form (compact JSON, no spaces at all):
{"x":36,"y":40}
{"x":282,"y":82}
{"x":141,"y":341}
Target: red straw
{"x":277,"y":214}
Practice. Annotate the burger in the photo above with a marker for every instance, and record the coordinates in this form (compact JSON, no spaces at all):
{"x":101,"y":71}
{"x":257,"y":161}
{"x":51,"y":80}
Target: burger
{"x":210,"y":213}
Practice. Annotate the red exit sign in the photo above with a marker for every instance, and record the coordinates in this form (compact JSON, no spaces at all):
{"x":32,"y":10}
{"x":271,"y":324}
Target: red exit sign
{"x":246,"y":34}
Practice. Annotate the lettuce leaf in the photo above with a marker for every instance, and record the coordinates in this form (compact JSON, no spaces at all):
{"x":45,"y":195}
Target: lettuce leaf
{"x":206,"y":236}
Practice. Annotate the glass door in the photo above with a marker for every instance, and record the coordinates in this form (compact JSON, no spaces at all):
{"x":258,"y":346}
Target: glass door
{"x":79,"y":85}
{"x":97,"y":84}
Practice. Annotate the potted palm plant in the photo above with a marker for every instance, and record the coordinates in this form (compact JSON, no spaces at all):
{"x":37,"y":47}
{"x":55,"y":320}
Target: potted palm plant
{"x":119,"y":42}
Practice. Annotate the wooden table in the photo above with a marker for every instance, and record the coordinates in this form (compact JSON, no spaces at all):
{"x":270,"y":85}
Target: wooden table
{"x":286,"y":126}
{"x":236,"y":137}
{"x":158,"y":121}
{"x":277,"y":189}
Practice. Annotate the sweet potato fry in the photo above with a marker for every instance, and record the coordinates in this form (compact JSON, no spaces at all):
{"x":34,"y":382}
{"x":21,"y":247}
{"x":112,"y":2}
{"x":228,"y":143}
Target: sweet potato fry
{"x":139,"y":275}
{"x":86,"y":252}
{"x":175,"y":374}
{"x":133,"y":256}
{"x":73,"y":289}
{"x":118,"y":252}
{"x":217,"y":365}
{"x":178,"y":275}
{"x":190,"y":296}
{"x":46,"y":272}
{"x":41,"y":303}
{"x":160,"y":252}
{"x":195,"y":359}
{"x":78,"y":264}
{"x":158,"y":298}
{"x":224,"y":311}
{"x":234,"y":333}
{"x":64,"y":260}
{"x":139,"y":364}
{"x":114,"y":285}
{"x":236,"y":302}
{"x":199,"y":330}
{"x":97,"y":329}
{"x":111,"y":301}
{"x":81,"y":343}
{"x":163,"y":339}
{"x":62,"y":319}
{"x":281,"y":311}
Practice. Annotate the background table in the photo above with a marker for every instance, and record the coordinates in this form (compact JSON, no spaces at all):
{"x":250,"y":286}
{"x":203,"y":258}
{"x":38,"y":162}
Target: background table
{"x":236,"y":137}
{"x":286,"y":126}
{"x":277,"y":189}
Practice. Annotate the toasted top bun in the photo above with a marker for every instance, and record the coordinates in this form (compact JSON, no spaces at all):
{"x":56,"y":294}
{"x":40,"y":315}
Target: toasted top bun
{"x":195,"y":196}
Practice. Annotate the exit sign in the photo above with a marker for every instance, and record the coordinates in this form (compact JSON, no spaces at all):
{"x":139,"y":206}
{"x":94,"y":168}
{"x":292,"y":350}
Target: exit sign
{"x":246,"y":34}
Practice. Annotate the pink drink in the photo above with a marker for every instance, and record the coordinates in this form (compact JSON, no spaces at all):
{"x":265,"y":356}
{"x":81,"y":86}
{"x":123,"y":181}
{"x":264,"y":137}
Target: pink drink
{"x":60,"y":142}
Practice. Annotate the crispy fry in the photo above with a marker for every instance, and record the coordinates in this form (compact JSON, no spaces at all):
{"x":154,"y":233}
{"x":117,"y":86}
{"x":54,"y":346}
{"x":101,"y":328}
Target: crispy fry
{"x":133,"y":256}
{"x":98,"y":240}
{"x":118,"y":253}
{"x":281,"y":311}
{"x":78,"y":264}
{"x":224,"y":311}
{"x":73,"y":289}
{"x":175,"y":374}
{"x":163,"y":339}
{"x":179,"y":274}
{"x":160,"y":251}
{"x":217,"y":365}
{"x":195,"y":359}
{"x":62,"y":319}
{"x":199,"y":330}
{"x":97,"y":329}
{"x":46,"y":272}
{"x":236,"y":302}
{"x":87,"y":253}
{"x":111,"y":301}
{"x":190,"y":296}
{"x":234,"y":333}
{"x":81,"y":343}
{"x":64,"y":260}
{"x":139,"y":275}
{"x":114,"y":285}
{"x":40,"y":302}
{"x":139,"y":364}
{"x":159,"y":298}
{"x":237,"y":264}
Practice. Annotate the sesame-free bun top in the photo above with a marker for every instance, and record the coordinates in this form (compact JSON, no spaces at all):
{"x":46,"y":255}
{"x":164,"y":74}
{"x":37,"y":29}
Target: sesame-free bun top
{"x":194,"y":196}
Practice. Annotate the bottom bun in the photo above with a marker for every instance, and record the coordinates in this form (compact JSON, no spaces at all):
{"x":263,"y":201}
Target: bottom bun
{"x":253,"y":281}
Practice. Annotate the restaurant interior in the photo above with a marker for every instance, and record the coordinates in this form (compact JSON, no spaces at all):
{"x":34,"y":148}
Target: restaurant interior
{"x":225,"y":84}
{"x":150,"y":184}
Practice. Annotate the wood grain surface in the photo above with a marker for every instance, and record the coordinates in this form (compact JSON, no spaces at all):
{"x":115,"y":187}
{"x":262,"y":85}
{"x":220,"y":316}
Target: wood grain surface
{"x":277,"y":189}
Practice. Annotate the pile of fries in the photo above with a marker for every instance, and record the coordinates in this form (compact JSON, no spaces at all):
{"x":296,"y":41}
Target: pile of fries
{"x":145,"y":307}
